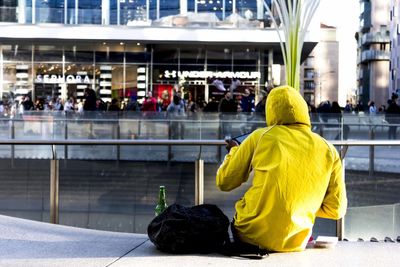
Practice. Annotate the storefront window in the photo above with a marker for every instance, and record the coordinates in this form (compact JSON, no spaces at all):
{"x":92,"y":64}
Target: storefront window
{"x":79,"y":70}
{"x":17,"y":81}
{"x":48,"y":74}
{"x":109,"y":59}
{"x":219,"y":64}
{"x":49,"y":11}
{"x":48,"y":53}
{"x":79,"y":53}
{"x":17,"y":72}
{"x":245,"y":67}
{"x":130,"y":88}
{"x":245,"y":57}
{"x":166,"y":69}
{"x":193,"y":81}
{"x":17,"y":52}
{"x":48,"y":83}
{"x":138,"y":74}
{"x":89,"y":12}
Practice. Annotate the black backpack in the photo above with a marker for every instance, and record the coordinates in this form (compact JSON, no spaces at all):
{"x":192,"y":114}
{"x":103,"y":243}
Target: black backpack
{"x":197,"y":229}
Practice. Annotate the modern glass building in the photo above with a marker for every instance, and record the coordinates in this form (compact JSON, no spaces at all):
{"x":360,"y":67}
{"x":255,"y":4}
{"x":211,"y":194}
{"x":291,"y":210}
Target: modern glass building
{"x":121,"y":48}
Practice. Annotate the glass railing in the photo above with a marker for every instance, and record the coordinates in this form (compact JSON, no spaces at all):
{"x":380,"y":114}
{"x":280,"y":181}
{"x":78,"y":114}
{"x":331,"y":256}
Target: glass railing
{"x":131,"y":14}
{"x":96,"y":180}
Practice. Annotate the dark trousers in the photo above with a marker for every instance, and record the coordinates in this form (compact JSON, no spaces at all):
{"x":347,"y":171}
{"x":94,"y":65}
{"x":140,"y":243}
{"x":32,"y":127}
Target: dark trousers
{"x":243,"y":246}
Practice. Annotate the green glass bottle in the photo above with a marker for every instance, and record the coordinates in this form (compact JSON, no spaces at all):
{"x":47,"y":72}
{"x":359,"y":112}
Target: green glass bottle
{"x":162,"y":202}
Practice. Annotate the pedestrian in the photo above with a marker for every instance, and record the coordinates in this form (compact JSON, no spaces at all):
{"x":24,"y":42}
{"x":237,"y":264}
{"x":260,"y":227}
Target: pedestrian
{"x":59,"y":105}
{"x":392,"y":116}
{"x":27,"y":103}
{"x":114,"y":105}
{"x":297,"y":176}
{"x":90,"y":100}
{"x":247,"y":101}
{"x":335,"y":114}
{"x":349,"y":107}
{"x":227,"y":109}
{"x":69,"y":105}
{"x":149,"y":108}
{"x":372,"y":108}
{"x":132,"y":104}
{"x":175,"y":113}
{"x":258,"y":118}
{"x":150,"y":103}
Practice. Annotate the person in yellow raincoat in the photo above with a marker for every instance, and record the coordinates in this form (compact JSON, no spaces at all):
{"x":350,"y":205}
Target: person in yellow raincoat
{"x":297,"y":177}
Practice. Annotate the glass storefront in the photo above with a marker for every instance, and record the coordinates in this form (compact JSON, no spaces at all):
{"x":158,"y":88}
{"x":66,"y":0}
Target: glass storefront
{"x":46,"y":72}
{"x":223,"y":13}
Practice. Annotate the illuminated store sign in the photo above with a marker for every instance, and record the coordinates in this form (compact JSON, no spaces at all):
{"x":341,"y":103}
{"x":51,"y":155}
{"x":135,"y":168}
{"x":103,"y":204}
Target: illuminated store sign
{"x":70,"y":79}
{"x":213,"y":74}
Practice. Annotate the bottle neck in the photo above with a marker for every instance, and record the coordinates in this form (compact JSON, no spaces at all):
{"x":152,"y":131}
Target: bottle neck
{"x":161,"y":196}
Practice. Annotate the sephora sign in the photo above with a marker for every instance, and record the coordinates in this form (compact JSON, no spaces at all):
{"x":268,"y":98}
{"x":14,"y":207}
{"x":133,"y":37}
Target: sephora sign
{"x":56,"y":79}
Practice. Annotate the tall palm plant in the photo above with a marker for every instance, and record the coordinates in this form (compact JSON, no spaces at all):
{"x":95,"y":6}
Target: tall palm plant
{"x":295,"y":17}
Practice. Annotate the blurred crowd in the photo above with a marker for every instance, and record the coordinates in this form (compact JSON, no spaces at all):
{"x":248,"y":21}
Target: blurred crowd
{"x":231,"y":103}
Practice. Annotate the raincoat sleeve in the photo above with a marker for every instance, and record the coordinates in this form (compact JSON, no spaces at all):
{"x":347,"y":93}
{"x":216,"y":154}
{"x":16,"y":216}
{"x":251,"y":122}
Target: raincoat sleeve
{"x":236,"y":167}
{"x":334,"y":204}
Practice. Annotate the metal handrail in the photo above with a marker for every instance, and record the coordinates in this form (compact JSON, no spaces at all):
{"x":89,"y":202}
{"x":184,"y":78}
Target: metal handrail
{"x":185,"y":142}
{"x":156,"y":142}
{"x":199,"y":163}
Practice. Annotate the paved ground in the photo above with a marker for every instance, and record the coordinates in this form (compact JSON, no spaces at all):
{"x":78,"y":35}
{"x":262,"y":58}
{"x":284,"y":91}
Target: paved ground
{"x":29,"y":243}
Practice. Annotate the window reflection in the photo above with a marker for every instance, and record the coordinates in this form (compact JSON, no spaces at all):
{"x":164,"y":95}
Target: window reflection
{"x":247,"y":9}
{"x":49,"y":11}
{"x":200,"y":13}
{"x":89,"y":12}
{"x":214,"y":6}
{"x":132,"y":10}
{"x":71,"y":16}
{"x":8,"y":11}
{"x":168,"y":8}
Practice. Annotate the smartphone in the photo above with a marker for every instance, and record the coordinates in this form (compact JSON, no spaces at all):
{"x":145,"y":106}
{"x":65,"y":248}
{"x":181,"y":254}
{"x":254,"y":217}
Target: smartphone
{"x":239,"y":139}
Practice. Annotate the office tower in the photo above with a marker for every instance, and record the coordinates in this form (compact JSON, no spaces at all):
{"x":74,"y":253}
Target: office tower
{"x":373,"y":40}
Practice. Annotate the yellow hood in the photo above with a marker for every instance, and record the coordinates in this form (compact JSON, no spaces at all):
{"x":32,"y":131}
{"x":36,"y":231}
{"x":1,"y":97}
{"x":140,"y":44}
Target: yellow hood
{"x":286,"y":106}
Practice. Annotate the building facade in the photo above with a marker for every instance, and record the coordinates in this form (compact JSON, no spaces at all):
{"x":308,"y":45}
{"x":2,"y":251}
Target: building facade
{"x":374,"y":52}
{"x":58,"y":48}
{"x":395,"y":47}
{"x":320,"y":71}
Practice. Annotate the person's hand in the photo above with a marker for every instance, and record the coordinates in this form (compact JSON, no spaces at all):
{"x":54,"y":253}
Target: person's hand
{"x":230,"y":143}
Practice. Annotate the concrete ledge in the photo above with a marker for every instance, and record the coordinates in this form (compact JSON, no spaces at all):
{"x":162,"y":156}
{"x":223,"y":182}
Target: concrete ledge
{"x":344,"y":254}
{"x":30,"y":243}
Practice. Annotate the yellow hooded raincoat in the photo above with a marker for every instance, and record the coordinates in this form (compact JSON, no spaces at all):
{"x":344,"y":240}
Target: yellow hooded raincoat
{"x":297,"y":176}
